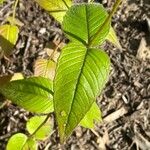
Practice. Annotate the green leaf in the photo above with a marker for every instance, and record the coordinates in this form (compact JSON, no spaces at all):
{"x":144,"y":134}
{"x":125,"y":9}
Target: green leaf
{"x":93,"y":115}
{"x":8,"y":38}
{"x":111,"y":37}
{"x":17,"y":142}
{"x":57,"y":8}
{"x":31,"y":144}
{"x":44,"y":132}
{"x":45,"y":68}
{"x":82,"y":22}
{"x":33,"y":94}
{"x":20,"y":141}
{"x":81,"y":74}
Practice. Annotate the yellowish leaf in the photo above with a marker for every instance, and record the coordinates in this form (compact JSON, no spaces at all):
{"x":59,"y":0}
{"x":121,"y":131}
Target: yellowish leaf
{"x":45,"y":68}
{"x":8,"y":38}
{"x":57,"y":8}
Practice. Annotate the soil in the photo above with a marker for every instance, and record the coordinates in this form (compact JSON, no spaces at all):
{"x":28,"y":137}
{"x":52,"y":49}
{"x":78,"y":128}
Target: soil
{"x":125,"y":101}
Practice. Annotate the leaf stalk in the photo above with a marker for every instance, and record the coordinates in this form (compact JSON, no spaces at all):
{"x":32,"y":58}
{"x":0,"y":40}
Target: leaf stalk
{"x":107,"y":21}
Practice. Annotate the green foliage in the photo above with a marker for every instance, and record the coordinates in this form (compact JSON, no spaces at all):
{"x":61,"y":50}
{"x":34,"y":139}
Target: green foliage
{"x":80,"y":75}
{"x":33,"y":124}
{"x":92,"y":116}
{"x":57,"y":8}
{"x":81,"y":72}
{"x":33,"y":94}
{"x":81,"y":23}
{"x":8,"y":38}
{"x":20,"y":141}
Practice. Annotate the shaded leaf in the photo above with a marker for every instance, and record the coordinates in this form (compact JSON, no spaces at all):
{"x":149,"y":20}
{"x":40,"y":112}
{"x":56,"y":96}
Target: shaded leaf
{"x":57,"y":8}
{"x":8,"y":38}
{"x":45,"y":68}
{"x":111,"y":37}
{"x":81,"y":23}
{"x":93,"y":115}
{"x":81,"y":74}
{"x":45,"y":131}
{"x":33,"y":94}
{"x":17,"y":142}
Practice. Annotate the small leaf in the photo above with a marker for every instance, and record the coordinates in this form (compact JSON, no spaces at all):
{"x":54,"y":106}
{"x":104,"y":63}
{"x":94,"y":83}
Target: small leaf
{"x":14,"y":21}
{"x":45,"y":131}
{"x":93,"y":115}
{"x":57,"y":8}
{"x":8,"y":38}
{"x":111,"y":37}
{"x":81,"y":74}
{"x":33,"y":94}
{"x":82,"y":22}
{"x":45,"y":68}
{"x":31,"y":144}
{"x":17,"y":142}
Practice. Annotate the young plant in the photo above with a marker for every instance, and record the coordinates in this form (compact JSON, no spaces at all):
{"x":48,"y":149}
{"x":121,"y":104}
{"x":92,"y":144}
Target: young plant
{"x":81,"y":72}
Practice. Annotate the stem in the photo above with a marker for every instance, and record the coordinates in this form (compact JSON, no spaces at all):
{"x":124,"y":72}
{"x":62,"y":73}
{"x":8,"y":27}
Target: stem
{"x":39,"y":127}
{"x":14,"y":10}
{"x":115,"y":7}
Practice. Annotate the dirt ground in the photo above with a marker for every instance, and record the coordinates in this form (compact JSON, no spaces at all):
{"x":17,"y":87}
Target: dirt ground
{"x":125,"y":101}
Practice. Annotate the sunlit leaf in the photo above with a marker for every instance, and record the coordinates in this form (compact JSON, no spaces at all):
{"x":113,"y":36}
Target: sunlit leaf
{"x":31,"y":144}
{"x":57,"y":8}
{"x":45,"y":68}
{"x":92,"y":116}
{"x":82,"y":22}
{"x":111,"y":37}
{"x":17,"y":142}
{"x":8,"y":38}
{"x":33,"y":94}
{"x":44,"y":132}
{"x":80,"y":76}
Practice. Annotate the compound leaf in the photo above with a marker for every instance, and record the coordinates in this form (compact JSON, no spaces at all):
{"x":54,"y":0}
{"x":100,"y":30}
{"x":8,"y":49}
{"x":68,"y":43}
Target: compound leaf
{"x":93,"y":115}
{"x":57,"y":8}
{"x":81,"y":74}
{"x":33,"y":94}
{"x":34,"y":122}
{"x":82,"y":22}
{"x":8,"y":38}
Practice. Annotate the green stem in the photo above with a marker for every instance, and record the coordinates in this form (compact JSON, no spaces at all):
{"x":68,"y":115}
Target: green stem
{"x":107,"y":21}
{"x":39,"y":127}
{"x":14,"y":10}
